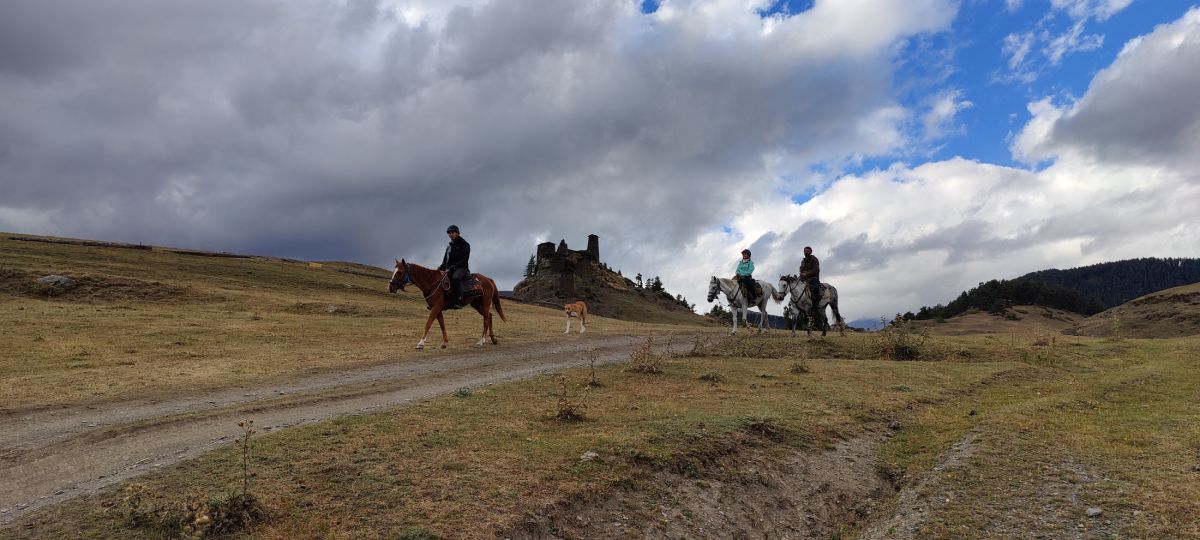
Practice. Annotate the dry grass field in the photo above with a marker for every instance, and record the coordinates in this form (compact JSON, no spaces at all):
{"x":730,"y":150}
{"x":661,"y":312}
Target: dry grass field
{"x":1004,"y":435}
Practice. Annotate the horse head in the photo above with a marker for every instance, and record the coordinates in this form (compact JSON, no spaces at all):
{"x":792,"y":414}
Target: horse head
{"x":401,"y":276}
{"x":714,"y":287}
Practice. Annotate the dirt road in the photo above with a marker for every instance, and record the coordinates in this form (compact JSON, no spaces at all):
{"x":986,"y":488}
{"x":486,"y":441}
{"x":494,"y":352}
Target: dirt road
{"x":49,"y":456}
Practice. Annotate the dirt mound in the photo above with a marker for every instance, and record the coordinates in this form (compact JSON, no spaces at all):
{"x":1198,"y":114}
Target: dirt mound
{"x":99,"y":289}
{"x":1019,"y":319}
{"x":1169,"y":313}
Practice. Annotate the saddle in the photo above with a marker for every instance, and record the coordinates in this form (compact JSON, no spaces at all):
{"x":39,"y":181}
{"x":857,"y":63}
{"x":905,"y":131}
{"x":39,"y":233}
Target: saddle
{"x":758,"y":290}
{"x":470,"y":288}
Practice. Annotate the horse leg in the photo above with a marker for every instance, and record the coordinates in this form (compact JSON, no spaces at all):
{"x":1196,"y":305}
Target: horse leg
{"x":483,"y":339}
{"x":734,"y":316}
{"x":486,"y":311}
{"x":442,"y":323}
{"x":568,"y":330}
{"x":428,"y":322}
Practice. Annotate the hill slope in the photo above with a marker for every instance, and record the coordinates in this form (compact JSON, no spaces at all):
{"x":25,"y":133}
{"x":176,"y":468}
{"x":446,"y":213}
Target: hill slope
{"x":1023,"y":319}
{"x":1174,"y":312}
{"x":563,"y":275}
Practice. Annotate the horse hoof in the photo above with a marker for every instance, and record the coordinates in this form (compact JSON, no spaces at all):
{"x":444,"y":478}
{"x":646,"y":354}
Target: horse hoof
{"x":419,"y":347}
{"x":443,"y":345}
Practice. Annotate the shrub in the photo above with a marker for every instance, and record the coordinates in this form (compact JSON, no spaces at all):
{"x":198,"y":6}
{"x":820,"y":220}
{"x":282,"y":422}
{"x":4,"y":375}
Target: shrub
{"x":897,"y":342}
{"x":643,"y":359}
{"x":570,"y":408}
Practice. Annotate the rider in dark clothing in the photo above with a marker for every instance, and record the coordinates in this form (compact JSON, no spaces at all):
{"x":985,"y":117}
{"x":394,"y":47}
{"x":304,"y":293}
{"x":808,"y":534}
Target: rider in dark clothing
{"x":456,"y":264}
{"x":810,"y":272}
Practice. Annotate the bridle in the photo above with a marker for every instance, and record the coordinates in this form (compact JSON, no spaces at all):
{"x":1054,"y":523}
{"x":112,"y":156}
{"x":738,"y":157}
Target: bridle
{"x":715,"y":288}
{"x":405,"y":278}
{"x":792,"y":284}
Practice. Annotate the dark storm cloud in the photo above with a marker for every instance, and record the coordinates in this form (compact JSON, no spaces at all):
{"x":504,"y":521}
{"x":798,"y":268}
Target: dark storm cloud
{"x":330,"y":130}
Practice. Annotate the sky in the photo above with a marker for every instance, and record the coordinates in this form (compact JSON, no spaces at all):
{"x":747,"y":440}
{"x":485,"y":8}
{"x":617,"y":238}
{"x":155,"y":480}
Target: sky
{"x":919,"y":146}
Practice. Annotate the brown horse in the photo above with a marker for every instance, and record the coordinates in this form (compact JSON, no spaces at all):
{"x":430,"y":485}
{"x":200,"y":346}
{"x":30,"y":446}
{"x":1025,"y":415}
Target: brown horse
{"x":432,"y":284}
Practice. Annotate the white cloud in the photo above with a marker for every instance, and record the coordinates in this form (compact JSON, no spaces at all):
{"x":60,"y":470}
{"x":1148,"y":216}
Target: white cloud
{"x":1142,"y":109}
{"x":1083,"y":9}
{"x":1073,"y":40}
{"x":944,"y":107}
{"x":1055,"y":43}
{"x":1017,"y":47}
{"x":1122,"y":181}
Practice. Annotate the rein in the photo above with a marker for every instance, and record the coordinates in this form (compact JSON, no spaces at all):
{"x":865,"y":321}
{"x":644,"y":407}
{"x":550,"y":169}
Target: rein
{"x":406,"y":278}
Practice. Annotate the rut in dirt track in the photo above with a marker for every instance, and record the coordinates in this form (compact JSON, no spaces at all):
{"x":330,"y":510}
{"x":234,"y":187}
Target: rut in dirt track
{"x":49,"y":456}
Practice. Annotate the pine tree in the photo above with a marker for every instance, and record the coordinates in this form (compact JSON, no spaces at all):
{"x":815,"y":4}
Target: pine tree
{"x":638,"y":280}
{"x":531,"y":266}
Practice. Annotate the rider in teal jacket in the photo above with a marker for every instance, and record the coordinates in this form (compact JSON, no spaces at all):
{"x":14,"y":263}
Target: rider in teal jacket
{"x":745,"y":271}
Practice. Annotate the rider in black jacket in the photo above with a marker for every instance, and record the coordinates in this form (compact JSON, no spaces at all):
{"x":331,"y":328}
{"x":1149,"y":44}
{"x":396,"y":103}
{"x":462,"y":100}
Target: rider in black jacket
{"x":456,"y":263}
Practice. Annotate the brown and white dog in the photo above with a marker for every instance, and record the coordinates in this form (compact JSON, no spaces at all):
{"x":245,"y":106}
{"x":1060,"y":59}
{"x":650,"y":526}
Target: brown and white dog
{"x":577,"y":309}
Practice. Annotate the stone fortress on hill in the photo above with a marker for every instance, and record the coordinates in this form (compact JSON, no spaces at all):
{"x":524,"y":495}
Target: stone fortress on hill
{"x":560,"y":275}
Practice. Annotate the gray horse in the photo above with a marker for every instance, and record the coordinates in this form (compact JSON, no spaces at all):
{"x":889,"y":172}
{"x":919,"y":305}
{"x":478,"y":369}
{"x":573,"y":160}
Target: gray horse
{"x":801,"y":303}
{"x":737,"y":299}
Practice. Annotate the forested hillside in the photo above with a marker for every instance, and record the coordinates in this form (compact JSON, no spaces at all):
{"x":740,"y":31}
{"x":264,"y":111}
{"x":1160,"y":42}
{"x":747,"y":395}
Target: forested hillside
{"x":1114,"y":283}
{"x":1086,"y":290}
{"x":996,"y":296}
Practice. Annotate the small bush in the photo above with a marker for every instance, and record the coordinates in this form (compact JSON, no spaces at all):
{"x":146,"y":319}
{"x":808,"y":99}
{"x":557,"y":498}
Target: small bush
{"x":643,"y":359}
{"x":463,"y":392}
{"x":592,"y":354}
{"x":570,"y":408}
{"x":800,"y":366}
{"x":897,"y":342}
{"x":766,"y":427}
{"x":712,"y":377}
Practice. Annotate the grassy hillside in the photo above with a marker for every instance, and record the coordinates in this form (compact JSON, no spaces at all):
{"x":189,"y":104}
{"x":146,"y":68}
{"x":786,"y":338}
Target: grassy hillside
{"x":1018,"y":319}
{"x":1171,"y":313}
{"x":147,"y":321}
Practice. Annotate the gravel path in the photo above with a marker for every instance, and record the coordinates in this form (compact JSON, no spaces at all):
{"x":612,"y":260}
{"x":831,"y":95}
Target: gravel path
{"x":49,"y":456}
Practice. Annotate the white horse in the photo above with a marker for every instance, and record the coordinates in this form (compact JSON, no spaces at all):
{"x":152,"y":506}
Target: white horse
{"x":737,"y":299}
{"x":801,"y":303}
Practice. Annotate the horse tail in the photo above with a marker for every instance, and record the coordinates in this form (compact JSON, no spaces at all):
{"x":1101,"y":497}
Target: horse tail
{"x":496,"y":300}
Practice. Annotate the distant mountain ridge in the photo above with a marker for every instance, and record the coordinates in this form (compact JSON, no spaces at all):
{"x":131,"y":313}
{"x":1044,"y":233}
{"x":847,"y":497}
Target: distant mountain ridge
{"x":1086,"y":290}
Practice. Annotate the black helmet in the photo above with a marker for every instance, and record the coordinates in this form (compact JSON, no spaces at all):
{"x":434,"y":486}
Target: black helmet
{"x":746,"y":252}
{"x":452,"y":228}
